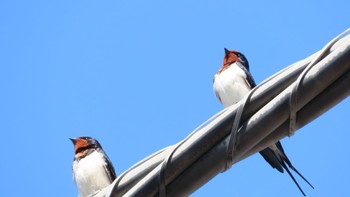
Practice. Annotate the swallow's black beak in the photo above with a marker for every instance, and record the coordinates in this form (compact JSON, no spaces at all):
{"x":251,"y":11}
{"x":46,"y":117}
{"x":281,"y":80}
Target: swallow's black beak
{"x":73,"y":140}
{"x":226,"y":51}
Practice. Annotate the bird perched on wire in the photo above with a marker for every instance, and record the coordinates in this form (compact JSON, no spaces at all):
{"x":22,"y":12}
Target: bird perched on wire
{"x":232,"y":82}
{"x":92,"y":169}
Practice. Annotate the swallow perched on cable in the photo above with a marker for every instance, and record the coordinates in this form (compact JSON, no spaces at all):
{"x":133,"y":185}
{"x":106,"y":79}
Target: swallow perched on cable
{"x":232,"y":82}
{"x":92,"y":169}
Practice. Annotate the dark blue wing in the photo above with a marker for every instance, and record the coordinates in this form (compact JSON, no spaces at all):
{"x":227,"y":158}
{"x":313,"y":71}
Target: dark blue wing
{"x":249,"y":79}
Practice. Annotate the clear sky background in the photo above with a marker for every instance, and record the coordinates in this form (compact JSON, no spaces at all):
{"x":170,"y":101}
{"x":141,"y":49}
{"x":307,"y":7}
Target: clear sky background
{"x":137,"y":75}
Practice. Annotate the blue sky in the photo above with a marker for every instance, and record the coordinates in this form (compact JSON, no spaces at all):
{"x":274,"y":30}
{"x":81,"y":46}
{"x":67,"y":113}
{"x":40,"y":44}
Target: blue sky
{"x":137,"y":75}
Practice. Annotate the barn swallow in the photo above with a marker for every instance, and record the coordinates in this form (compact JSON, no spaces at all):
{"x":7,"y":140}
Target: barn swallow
{"x":232,"y":82}
{"x":92,"y":169}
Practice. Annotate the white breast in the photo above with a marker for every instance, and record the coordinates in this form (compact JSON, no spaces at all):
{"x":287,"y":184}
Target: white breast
{"x":230,"y":86}
{"x":90,"y":174}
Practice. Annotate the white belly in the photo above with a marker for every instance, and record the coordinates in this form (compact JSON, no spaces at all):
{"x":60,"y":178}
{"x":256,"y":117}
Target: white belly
{"x":230,"y":86}
{"x":90,"y":175}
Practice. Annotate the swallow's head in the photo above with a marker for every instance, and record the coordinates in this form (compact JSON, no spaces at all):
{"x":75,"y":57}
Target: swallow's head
{"x":232,"y":56}
{"x":82,"y":145}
